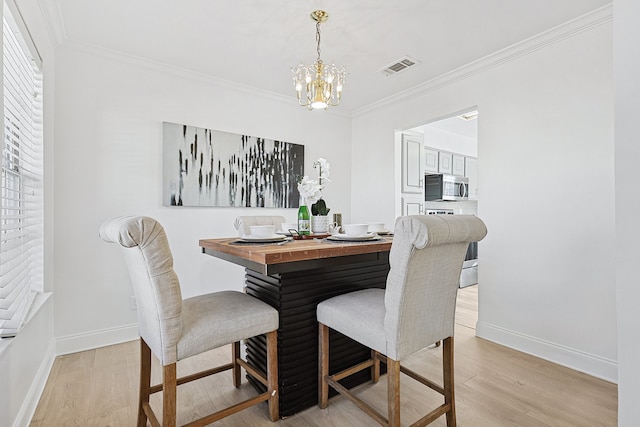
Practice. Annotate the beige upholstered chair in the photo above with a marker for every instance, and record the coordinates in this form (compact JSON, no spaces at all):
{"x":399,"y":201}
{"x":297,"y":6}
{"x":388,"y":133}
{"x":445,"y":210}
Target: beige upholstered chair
{"x":416,"y":309}
{"x":174,"y":329}
{"x":243,"y":223}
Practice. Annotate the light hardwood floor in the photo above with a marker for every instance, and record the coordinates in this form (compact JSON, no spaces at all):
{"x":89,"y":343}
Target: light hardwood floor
{"x":495,"y":387}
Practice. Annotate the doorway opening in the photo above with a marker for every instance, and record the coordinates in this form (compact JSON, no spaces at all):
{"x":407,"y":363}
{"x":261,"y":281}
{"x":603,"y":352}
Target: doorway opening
{"x":448,"y":147}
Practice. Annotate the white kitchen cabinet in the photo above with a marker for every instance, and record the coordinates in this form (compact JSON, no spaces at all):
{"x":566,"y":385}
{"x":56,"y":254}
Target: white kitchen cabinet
{"x":471,"y":172}
{"x":457,"y":165}
{"x":445,"y":162}
{"x":430,"y":160}
{"x":412,"y":171}
{"x":412,"y":205}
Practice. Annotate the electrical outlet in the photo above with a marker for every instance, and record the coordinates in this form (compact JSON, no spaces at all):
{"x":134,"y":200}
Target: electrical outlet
{"x":132,"y":303}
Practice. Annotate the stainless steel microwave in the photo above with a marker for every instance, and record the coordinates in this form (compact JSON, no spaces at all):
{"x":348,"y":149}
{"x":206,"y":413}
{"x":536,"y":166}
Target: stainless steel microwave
{"x":445,"y":187}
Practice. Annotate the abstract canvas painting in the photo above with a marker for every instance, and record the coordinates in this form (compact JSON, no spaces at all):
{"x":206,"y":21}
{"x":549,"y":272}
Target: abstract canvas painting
{"x":204,"y":167}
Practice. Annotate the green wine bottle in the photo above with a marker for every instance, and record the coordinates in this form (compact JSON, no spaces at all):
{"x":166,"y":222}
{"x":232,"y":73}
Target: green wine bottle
{"x":304,"y":225}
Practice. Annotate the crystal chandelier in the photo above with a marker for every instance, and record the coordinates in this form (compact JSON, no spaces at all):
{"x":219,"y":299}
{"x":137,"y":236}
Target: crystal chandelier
{"x":321,"y":84}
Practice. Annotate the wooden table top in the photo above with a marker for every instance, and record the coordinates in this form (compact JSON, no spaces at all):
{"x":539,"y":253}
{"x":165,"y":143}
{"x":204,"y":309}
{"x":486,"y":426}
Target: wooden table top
{"x":262,"y":256}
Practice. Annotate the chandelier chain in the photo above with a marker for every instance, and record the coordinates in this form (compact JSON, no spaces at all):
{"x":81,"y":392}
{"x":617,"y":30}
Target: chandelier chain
{"x":318,"y":38}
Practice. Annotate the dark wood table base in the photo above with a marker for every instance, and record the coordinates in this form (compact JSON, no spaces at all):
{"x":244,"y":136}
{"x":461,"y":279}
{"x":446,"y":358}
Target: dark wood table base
{"x":295,"y":295}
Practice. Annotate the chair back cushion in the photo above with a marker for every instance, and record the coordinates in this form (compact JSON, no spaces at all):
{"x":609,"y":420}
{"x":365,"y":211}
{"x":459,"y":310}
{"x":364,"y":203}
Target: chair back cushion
{"x":426,"y":261}
{"x":155,"y":283}
{"x":243,"y":223}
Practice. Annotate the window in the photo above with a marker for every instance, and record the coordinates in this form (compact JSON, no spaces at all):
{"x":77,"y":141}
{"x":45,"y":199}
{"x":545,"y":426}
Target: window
{"x":21,"y":208}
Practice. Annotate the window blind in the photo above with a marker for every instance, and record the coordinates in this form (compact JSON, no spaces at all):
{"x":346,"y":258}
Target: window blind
{"x":21,"y":208}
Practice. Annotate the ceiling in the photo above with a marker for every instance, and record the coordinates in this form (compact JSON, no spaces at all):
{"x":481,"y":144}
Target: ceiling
{"x":255,"y":42}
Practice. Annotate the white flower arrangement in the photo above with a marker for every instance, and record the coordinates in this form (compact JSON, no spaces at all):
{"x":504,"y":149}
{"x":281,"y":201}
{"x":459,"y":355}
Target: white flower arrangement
{"x":324,"y":169}
{"x":311,"y":189}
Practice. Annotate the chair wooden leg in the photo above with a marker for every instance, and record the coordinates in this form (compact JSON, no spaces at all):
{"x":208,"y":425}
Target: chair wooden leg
{"x":393,"y":392}
{"x":375,"y":369}
{"x":272,"y":375}
{"x":447,"y":373}
{"x":145,"y":382}
{"x":323,"y":365}
{"x":169,"y":385}
{"x":235,"y":355}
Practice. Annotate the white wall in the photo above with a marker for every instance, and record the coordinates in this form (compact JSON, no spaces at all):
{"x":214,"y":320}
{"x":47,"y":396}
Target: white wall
{"x":25,"y":366}
{"x":108,"y":157}
{"x":449,"y":141}
{"x":25,"y":360}
{"x":627,"y":157}
{"x":545,"y":150}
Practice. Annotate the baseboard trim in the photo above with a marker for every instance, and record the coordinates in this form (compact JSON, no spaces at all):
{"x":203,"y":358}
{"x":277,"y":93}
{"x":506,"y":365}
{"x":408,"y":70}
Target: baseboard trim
{"x":94,"y":339}
{"x":30,"y":403}
{"x":590,"y":364}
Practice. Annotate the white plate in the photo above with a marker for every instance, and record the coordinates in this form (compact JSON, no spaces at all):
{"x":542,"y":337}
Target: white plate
{"x":362,"y":238}
{"x":382,"y":232}
{"x":274,"y":238}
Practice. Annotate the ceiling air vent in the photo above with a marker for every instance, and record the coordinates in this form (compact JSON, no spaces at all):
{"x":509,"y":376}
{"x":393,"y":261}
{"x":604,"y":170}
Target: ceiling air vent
{"x":399,"y":65}
{"x":471,"y":115}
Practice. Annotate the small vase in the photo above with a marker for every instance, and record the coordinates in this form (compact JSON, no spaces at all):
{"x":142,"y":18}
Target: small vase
{"x":320,"y":223}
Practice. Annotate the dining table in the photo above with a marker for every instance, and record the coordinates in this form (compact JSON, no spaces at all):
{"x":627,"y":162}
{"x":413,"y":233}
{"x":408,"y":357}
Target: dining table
{"x":293,"y":276}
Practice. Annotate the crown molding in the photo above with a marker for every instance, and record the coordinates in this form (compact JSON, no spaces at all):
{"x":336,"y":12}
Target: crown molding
{"x":185,"y":73}
{"x":53,"y":19}
{"x":554,"y":35}
{"x":595,"y":18}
